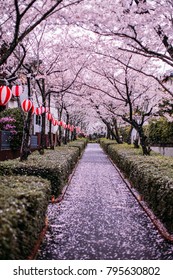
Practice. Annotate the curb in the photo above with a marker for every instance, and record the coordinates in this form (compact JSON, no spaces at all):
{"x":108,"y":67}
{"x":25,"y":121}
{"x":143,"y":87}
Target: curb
{"x":34,"y":252}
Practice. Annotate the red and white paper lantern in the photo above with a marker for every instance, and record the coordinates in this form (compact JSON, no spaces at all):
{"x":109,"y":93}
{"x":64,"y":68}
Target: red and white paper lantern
{"x":42,"y":109}
{"x":53,"y":121}
{"x":60,"y":123}
{"x":5,"y":95}
{"x":49,"y":116}
{"x":26,"y":105}
{"x":16,"y":90}
{"x":64,"y":125}
{"x":38,"y":111}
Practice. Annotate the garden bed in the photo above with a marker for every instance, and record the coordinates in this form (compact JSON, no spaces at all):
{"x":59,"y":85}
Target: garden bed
{"x":23,"y":204}
{"x":151,"y":175}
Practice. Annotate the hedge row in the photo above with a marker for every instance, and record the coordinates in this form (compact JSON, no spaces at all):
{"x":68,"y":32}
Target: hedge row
{"x":54,"y":165}
{"x":151,"y":175}
{"x":80,"y":144}
{"x":106,"y":142}
{"x":24,"y":195}
{"x":23,"y":203}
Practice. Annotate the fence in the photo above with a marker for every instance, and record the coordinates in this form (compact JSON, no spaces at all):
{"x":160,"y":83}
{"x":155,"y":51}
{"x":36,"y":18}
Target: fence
{"x":5,"y":143}
{"x":5,"y":148}
{"x":4,"y":140}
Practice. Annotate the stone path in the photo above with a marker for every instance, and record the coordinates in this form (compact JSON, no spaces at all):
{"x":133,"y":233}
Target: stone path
{"x":100,"y":219}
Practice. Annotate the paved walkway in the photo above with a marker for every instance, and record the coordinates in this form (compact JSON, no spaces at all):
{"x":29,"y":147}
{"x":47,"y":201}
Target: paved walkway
{"x":100,"y":219}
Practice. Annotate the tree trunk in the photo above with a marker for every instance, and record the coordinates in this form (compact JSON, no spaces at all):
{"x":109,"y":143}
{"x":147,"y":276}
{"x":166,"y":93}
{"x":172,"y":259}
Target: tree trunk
{"x":73,"y":135}
{"x":50,"y":129}
{"x":129,"y":135}
{"x":43,"y":125}
{"x":117,"y":136}
{"x":143,"y":142}
{"x":114,"y":134}
{"x":59,"y":136}
{"x":108,"y":134}
{"x":66,"y":138}
{"x":25,"y":149}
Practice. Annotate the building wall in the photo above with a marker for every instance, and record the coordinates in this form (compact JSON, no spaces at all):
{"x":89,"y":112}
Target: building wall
{"x":134,"y":135}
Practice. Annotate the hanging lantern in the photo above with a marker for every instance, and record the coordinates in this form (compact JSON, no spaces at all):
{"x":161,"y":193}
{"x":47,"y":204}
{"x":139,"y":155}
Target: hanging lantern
{"x":5,"y":95}
{"x":16,"y":90}
{"x":26,"y":105}
{"x":49,"y":116}
{"x":64,"y":125}
{"x":57,"y":122}
{"x":54,"y":122}
{"x":38,"y":111}
{"x":68,"y":126}
{"x":42,"y":109}
{"x":60,"y":123}
{"x":46,"y":109}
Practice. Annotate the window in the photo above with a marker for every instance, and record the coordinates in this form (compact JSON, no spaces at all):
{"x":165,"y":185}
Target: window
{"x":38,"y":120}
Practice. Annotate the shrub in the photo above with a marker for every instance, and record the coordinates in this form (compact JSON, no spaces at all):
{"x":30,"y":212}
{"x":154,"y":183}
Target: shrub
{"x":55,"y":166}
{"x":106,"y":142}
{"x":23,"y":204}
{"x":14,"y":118}
{"x":151,"y":175}
{"x":80,"y":144}
{"x":160,"y":131}
{"x":125,"y":132}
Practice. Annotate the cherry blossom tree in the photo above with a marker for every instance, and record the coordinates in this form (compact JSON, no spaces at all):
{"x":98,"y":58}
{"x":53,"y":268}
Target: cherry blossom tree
{"x":81,"y":56}
{"x":124,"y":93}
{"x":20,"y":18}
{"x":143,"y":28}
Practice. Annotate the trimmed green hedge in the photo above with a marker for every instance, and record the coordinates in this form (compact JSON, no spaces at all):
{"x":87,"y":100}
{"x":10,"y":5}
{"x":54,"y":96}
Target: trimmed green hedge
{"x":151,"y":175}
{"x":106,"y":142}
{"x":54,"y":165}
{"x":80,"y":144}
{"x":23,"y":204}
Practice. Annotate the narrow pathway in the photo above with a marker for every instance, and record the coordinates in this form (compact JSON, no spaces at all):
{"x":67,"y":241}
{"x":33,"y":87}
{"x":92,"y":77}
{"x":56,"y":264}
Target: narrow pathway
{"x":100,"y":219}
